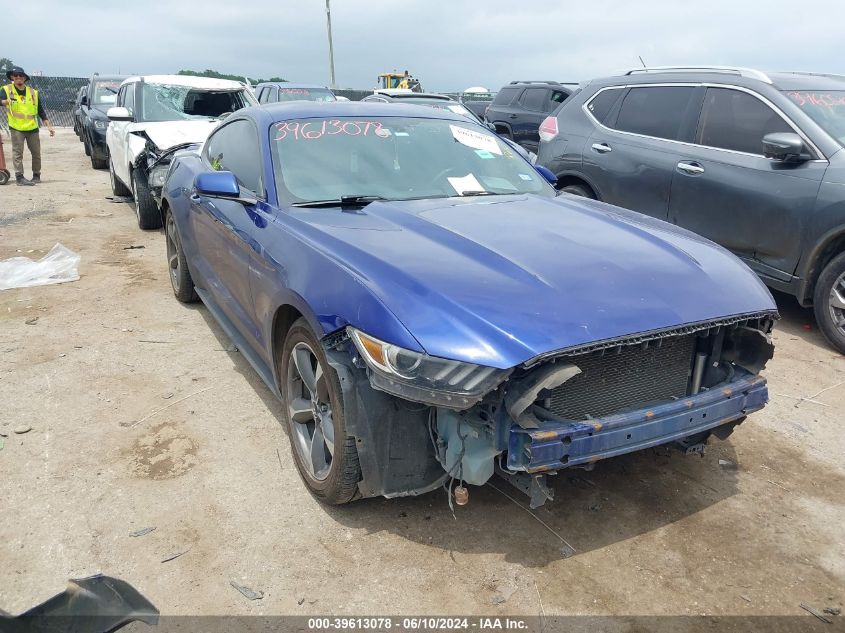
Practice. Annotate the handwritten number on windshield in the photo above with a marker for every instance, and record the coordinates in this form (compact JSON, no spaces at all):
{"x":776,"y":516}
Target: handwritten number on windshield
{"x":312,"y":130}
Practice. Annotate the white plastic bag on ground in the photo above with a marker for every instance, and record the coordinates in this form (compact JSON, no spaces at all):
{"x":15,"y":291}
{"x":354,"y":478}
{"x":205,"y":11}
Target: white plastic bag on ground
{"x":58,"y":266}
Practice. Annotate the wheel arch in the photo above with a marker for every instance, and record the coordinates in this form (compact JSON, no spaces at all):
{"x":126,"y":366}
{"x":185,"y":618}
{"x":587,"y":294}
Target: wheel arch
{"x":567,"y":178}
{"x":828,"y":247}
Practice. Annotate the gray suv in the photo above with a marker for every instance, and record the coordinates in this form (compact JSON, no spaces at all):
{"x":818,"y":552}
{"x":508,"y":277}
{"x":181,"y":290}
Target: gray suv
{"x":752,"y":161}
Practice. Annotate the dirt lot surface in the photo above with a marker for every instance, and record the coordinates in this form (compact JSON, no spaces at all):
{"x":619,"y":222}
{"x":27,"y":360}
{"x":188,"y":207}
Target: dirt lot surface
{"x":143,"y":415}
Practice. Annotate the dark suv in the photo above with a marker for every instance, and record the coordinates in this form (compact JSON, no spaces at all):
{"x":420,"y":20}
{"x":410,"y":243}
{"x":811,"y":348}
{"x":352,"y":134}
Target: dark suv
{"x":99,"y":96}
{"x":520,"y":107}
{"x":752,"y":161}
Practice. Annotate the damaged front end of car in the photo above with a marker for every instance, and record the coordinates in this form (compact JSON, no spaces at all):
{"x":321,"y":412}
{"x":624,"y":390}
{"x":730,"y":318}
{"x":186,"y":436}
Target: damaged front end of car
{"x":154,"y":163}
{"x":421,"y":421}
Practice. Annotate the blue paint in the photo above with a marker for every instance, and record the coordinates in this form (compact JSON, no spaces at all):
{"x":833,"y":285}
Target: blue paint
{"x":490,"y":280}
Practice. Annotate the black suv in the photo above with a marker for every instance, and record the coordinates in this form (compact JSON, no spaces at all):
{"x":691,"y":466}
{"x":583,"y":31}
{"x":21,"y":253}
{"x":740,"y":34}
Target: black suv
{"x":750,"y":160}
{"x":520,"y":107}
{"x":100,"y":95}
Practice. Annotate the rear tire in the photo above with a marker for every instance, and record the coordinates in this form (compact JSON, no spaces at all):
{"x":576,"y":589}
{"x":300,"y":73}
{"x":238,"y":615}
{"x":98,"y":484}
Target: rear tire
{"x":117,"y":187}
{"x":313,"y":410}
{"x":829,"y":302}
{"x":149,"y":217}
{"x":98,"y":163}
{"x":177,"y":264}
{"x":578,"y":190}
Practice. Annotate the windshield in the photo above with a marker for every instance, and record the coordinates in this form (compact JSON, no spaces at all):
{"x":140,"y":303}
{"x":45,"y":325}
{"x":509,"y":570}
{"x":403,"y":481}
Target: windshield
{"x":166,"y":102}
{"x":825,"y":108}
{"x":105,"y":92}
{"x":306,"y":94}
{"x":396,"y":159}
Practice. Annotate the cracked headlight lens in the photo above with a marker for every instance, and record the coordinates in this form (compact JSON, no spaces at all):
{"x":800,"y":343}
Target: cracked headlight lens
{"x":158,"y":175}
{"x":423,"y":378}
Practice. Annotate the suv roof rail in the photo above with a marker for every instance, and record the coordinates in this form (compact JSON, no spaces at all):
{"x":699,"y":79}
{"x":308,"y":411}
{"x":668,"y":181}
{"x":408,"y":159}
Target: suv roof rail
{"x":751,"y":73}
{"x":534,"y":81}
{"x":811,"y":74}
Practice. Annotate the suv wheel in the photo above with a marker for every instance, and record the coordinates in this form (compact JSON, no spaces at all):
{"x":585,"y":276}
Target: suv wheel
{"x":148,"y":214}
{"x":578,"y":190}
{"x":829,"y":302}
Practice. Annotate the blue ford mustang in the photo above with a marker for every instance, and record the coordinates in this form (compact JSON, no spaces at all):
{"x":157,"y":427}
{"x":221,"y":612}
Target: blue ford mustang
{"x":429,"y":311}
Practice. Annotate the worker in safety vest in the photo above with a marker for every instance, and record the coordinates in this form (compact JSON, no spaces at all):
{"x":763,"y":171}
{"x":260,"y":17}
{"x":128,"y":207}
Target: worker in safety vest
{"x":23,"y":110}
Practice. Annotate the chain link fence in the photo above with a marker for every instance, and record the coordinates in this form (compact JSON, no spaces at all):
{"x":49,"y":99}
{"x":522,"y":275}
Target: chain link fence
{"x":57,"y":95}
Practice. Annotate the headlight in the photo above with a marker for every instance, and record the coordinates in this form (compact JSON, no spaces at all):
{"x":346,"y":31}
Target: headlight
{"x":423,"y":378}
{"x":158,"y":175}
{"x":100,"y":124}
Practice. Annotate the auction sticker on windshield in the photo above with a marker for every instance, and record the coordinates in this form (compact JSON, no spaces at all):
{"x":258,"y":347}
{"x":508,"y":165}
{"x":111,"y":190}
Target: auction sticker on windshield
{"x":475,"y":140}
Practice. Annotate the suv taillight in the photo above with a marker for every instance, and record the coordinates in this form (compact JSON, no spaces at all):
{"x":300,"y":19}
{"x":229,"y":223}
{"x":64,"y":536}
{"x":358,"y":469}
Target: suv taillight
{"x":548,"y":128}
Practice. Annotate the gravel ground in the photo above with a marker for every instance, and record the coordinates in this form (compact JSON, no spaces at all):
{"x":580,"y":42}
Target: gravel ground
{"x":143,"y":415}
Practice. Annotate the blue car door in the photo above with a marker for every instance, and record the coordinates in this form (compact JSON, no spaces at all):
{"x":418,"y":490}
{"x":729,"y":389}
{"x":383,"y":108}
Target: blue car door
{"x":224,"y":229}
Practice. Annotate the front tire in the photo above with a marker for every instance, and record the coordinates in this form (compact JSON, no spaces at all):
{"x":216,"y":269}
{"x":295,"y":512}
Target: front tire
{"x":829,"y":302}
{"x":177,"y":263}
{"x":149,"y":217}
{"x":325,"y":455}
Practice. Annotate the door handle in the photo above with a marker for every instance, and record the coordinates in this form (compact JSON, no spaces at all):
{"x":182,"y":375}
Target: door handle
{"x":690,"y":168}
{"x":513,"y":116}
{"x":602,"y":148}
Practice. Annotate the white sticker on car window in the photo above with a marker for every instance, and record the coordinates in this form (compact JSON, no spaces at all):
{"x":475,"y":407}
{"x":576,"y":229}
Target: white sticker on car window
{"x":456,"y":109}
{"x":525,"y":177}
{"x":475,"y":140}
{"x":467,"y":183}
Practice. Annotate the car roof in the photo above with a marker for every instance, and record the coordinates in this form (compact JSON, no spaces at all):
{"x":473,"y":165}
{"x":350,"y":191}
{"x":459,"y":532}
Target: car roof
{"x":733,"y":75}
{"x":315,"y":109}
{"x":399,"y":96}
{"x":291,"y":84}
{"x":190,"y":81}
{"x":108,"y":78}
{"x":528,"y":82}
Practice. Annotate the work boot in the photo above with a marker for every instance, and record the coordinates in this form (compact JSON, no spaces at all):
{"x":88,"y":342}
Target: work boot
{"x":22,"y":182}
{"x":36,"y":178}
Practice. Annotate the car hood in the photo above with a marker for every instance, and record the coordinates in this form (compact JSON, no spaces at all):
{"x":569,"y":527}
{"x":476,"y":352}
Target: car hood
{"x":166,"y":134}
{"x":499,"y":281}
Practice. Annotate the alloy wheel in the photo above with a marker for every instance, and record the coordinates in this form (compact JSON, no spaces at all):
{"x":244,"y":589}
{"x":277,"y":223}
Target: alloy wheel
{"x":836,"y":303}
{"x":310,"y":411}
{"x":172,"y":241}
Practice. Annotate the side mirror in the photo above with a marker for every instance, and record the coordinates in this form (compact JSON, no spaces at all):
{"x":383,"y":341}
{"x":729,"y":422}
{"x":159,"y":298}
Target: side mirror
{"x":787,"y":147}
{"x":221,"y":184}
{"x":547,"y":173}
{"x":83,"y":100}
{"x":119,"y":114}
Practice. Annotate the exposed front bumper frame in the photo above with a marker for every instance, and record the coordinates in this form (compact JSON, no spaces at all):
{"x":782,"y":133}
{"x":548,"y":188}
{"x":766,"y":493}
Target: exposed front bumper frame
{"x":556,"y":445}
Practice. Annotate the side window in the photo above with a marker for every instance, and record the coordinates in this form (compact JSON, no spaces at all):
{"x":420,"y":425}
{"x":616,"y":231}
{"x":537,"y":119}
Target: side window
{"x":655,"y":111}
{"x":736,"y":120}
{"x":534,"y":99}
{"x":555,"y":99}
{"x":129,"y":98}
{"x":262,"y":95}
{"x":234,"y":148}
{"x":603,"y":103}
{"x":505,"y":96}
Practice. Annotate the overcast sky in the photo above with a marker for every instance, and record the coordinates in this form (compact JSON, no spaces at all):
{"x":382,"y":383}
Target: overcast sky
{"x":448,"y":45}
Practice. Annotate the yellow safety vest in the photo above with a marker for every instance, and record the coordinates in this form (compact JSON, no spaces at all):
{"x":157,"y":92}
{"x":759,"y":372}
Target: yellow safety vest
{"x":22,"y":112}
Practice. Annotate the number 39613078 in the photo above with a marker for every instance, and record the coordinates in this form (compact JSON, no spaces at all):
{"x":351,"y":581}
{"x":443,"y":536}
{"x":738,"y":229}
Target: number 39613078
{"x":312,"y":130}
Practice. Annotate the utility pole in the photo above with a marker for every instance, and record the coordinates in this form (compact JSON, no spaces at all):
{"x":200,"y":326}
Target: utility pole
{"x":331,"y":46}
